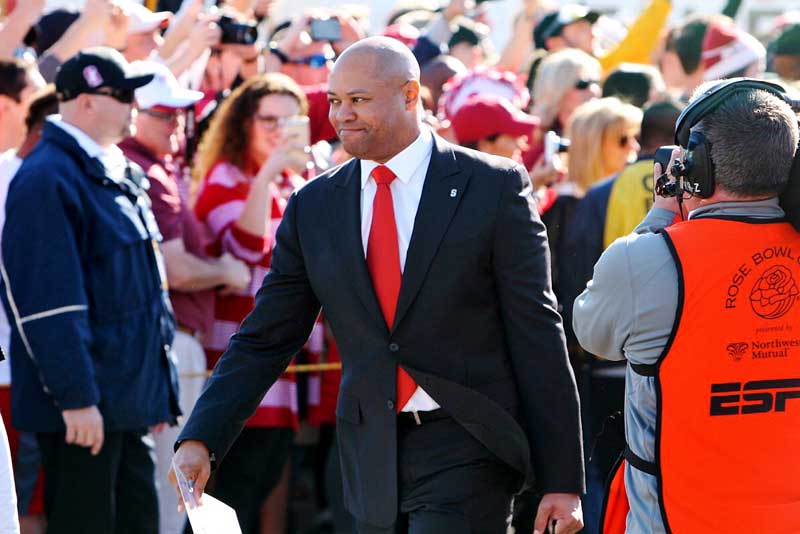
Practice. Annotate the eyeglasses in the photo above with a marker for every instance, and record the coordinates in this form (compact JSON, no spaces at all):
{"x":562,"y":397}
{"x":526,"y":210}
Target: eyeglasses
{"x":314,"y":61}
{"x":582,"y":84}
{"x":167,"y":116}
{"x":125,"y":96}
{"x":271,"y":123}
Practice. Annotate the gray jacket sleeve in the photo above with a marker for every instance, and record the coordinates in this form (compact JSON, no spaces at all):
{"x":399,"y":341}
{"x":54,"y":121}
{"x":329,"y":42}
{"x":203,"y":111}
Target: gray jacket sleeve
{"x":628,"y":308}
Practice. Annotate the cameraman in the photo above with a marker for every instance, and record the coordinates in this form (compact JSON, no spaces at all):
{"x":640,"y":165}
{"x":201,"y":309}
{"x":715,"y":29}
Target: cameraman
{"x":688,"y":310}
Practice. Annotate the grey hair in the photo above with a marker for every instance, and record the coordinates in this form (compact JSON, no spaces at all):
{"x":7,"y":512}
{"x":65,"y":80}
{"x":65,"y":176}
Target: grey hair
{"x":753,"y":136}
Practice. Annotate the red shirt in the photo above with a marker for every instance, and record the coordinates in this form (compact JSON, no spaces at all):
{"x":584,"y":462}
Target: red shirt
{"x":193,"y":309}
{"x":219,"y":205}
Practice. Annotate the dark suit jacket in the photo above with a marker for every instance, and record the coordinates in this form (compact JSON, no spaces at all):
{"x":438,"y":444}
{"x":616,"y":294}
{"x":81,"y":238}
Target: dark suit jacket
{"x":475,"y":326}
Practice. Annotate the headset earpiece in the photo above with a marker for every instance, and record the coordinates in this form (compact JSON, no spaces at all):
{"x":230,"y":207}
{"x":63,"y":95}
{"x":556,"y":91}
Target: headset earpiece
{"x":699,"y":166}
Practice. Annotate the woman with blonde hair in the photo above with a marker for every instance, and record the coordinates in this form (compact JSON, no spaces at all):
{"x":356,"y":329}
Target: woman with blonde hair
{"x":602,"y":136}
{"x":565,"y":80}
{"x":249,"y":152}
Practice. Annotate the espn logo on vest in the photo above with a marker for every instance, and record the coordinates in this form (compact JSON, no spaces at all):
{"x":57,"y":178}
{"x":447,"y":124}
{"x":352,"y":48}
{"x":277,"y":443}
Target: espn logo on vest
{"x":759,"y":396}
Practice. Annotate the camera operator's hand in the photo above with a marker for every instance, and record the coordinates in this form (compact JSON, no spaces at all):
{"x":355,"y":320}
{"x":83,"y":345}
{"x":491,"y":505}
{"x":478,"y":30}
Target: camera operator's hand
{"x":667,"y":203}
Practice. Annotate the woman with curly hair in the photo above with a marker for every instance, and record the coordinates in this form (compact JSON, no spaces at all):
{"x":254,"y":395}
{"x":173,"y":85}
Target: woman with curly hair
{"x":245,"y":157}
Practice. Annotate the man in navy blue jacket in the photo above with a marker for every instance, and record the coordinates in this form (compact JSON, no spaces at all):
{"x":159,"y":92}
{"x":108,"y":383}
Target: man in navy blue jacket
{"x":86,"y":297}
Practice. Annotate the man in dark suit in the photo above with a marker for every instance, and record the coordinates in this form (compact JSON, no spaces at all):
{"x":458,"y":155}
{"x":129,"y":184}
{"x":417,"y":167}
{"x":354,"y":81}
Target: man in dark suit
{"x":456,"y":386}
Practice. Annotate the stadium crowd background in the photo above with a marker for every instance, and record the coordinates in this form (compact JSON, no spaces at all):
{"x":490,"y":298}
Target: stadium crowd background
{"x":220,"y":135}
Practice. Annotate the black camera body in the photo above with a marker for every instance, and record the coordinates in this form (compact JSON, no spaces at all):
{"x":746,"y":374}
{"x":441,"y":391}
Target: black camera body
{"x":234,"y":32}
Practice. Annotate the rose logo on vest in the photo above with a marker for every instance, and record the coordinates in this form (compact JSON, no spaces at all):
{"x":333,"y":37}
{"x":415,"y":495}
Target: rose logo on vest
{"x":774,"y":293}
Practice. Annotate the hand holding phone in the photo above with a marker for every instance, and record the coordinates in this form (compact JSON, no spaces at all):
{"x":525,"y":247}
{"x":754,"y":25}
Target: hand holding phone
{"x":325,"y":29}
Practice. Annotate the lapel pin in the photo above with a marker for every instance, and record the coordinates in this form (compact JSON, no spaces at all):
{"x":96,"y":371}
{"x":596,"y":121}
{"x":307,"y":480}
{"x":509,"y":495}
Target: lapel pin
{"x":453,"y":193}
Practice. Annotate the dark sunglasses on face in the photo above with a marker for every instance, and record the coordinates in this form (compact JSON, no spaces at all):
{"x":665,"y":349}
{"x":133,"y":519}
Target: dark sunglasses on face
{"x":625,"y":140}
{"x":582,"y":84}
{"x":125,"y":96}
{"x":314,"y":61}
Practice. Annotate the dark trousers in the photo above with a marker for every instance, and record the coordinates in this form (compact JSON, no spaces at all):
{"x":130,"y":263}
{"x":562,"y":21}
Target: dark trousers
{"x":251,"y":470}
{"x":111,"y":493}
{"x":449,"y":482}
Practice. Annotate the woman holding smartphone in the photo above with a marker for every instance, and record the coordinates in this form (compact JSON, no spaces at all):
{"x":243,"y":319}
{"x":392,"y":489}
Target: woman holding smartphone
{"x":255,"y":147}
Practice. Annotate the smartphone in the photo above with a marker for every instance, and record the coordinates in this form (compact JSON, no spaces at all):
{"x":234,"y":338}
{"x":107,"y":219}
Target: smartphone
{"x":298,"y":130}
{"x":327,"y":29}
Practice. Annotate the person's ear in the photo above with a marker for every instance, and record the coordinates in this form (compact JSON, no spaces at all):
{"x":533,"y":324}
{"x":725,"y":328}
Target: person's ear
{"x":85,"y":103}
{"x":5,"y":103}
{"x":555,"y":43}
{"x":411,"y":94}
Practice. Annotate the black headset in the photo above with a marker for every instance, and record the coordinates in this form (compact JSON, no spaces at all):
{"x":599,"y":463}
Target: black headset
{"x":695,"y":169}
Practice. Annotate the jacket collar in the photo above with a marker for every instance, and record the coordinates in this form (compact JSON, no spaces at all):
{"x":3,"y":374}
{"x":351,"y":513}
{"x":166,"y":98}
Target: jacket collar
{"x":92,"y":166}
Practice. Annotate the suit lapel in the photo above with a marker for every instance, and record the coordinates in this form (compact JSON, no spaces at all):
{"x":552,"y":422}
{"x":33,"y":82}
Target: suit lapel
{"x":344,"y":217}
{"x":444,"y":186}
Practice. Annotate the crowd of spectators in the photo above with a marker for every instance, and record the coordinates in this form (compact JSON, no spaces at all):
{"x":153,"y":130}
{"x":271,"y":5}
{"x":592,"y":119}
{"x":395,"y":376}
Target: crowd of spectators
{"x":196,"y":124}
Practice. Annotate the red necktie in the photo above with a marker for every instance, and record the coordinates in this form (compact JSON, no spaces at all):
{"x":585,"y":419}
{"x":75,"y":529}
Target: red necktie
{"x":383,"y":262}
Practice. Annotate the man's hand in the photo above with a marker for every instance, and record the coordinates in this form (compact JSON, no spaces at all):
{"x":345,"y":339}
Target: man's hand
{"x":84,"y":428}
{"x":667,"y":203}
{"x":564,"y":509}
{"x":194,"y":461}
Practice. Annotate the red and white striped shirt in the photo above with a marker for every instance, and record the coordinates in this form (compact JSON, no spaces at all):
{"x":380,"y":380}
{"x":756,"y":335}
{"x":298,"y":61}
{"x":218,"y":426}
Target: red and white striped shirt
{"x":219,"y":205}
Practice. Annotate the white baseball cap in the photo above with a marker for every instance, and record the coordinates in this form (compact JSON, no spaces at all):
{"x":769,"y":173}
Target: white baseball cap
{"x":142,"y":19}
{"x":164,"y":89}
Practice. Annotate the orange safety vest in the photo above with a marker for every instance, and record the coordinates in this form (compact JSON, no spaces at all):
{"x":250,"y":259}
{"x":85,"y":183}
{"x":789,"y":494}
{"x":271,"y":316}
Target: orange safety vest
{"x":728,"y":381}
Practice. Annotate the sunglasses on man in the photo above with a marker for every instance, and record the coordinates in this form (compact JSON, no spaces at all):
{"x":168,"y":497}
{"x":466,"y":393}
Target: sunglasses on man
{"x":124,"y":96}
{"x":314,"y":61}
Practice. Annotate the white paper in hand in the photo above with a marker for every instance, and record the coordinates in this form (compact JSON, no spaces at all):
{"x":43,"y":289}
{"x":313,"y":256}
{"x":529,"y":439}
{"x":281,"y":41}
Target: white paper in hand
{"x":212,"y":517}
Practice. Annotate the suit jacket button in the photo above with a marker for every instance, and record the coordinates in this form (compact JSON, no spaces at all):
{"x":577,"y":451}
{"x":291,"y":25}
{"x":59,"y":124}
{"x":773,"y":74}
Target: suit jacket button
{"x":390,"y":404}
{"x":394,"y":347}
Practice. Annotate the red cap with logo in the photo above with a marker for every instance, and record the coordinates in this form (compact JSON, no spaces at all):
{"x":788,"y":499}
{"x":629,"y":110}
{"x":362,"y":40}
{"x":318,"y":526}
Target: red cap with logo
{"x":486,"y":115}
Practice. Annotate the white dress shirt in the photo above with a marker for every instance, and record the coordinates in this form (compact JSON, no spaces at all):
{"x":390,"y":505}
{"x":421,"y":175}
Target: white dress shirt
{"x":410,"y":167}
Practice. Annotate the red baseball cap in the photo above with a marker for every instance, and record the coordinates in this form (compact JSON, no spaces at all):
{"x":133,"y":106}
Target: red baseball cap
{"x":486,"y":115}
